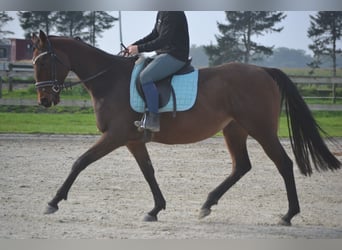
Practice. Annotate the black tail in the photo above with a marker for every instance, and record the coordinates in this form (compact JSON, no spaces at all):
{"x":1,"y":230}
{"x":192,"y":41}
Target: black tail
{"x":304,"y":132}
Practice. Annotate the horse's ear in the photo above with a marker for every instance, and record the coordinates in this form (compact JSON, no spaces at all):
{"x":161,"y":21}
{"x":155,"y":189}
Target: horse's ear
{"x":39,"y":42}
{"x":42,"y":36}
{"x":35,"y":40}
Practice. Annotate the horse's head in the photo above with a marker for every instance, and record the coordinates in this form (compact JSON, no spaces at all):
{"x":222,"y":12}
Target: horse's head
{"x":51,"y":66}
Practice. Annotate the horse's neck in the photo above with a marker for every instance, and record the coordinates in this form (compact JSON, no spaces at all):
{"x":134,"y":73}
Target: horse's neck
{"x":86,"y":61}
{"x":92,"y":66}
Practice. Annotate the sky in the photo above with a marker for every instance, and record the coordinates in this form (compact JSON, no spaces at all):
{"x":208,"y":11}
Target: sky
{"x":202,"y":29}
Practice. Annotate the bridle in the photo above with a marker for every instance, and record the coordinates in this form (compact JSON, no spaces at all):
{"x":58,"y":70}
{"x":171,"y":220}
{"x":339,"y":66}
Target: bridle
{"x":53,"y":83}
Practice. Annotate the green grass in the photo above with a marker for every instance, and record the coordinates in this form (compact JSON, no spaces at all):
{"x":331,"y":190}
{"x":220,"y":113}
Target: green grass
{"x":330,"y":122}
{"x":75,"y":93}
{"x":84,"y":122}
{"x":39,"y":109}
{"x":48,"y":123}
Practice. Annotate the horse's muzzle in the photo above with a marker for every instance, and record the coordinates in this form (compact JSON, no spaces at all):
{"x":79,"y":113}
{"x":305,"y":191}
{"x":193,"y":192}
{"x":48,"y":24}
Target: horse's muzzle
{"x":45,"y":102}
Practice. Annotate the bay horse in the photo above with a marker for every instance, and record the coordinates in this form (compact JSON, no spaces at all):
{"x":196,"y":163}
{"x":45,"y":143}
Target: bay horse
{"x":240,"y":99}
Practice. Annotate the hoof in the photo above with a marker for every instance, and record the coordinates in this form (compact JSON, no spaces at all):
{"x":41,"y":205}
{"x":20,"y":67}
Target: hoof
{"x":283,"y":222}
{"x":150,"y":218}
{"x":50,"y":209}
{"x":204,"y":213}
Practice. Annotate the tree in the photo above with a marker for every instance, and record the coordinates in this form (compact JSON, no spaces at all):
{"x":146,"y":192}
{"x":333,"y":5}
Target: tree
{"x":325,"y":30}
{"x":33,"y":21}
{"x":236,"y":43}
{"x":286,"y":58}
{"x":199,"y":57}
{"x":71,"y":23}
{"x":4,"y":18}
{"x":97,"y":22}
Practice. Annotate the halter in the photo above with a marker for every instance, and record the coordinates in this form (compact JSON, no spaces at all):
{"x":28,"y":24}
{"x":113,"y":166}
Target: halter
{"x":55,"y":86}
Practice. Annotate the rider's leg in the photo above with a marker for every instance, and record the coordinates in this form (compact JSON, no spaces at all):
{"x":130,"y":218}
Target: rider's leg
{"x":161,"y":67}
{"x":152,"y":102}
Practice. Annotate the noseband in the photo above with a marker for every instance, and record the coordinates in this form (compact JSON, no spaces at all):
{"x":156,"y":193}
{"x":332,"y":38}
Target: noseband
{"x":54,"y":84}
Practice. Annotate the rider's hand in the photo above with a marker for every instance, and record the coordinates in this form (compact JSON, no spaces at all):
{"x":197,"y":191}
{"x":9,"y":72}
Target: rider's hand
{"x":133,"y":49}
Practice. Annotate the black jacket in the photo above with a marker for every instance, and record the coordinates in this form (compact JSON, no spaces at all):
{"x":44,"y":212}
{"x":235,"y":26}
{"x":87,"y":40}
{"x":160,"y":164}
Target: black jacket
{"x":169,"y":35}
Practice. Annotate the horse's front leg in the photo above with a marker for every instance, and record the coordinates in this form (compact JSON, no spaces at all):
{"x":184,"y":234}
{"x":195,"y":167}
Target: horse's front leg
{"x":139,"y":151}
{"x":105,"y":145}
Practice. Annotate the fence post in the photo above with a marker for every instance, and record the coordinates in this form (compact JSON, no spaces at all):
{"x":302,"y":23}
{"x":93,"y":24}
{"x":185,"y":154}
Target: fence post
{"x":10,"y":84}
{"x":334,"y":92}
{"x":0,"y":87}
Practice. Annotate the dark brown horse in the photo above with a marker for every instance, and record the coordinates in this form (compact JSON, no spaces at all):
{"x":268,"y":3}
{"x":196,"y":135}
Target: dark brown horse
{"x":239,"y":99}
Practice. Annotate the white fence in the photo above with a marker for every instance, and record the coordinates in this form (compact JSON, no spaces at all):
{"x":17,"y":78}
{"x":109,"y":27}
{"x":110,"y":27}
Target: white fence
{"x":331,"y":82}
{"x":328,"y":91}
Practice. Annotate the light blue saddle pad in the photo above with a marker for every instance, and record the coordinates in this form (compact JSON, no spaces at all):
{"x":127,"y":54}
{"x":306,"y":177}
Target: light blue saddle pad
{"x":185,"y":87}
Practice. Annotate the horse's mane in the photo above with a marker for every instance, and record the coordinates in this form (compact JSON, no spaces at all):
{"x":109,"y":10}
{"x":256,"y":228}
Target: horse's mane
{"x":82,"y":42}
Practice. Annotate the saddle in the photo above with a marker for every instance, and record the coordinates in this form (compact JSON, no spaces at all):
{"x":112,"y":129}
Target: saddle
{"x":164,"y":86}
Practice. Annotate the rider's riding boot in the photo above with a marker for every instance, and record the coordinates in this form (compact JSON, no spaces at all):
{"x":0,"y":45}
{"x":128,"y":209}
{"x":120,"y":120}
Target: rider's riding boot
{"x":152,"y":122}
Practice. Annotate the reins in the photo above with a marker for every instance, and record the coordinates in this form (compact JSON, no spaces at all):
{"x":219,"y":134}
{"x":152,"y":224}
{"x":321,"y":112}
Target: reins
{"x":71,"y":84}
{"x":56,"y":87}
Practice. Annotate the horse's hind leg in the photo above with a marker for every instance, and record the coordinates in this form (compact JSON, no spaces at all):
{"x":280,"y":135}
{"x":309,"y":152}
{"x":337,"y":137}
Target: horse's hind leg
{"x":236,"y":138}
{"x":277,"y":154}
{"x":139,"y":151}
